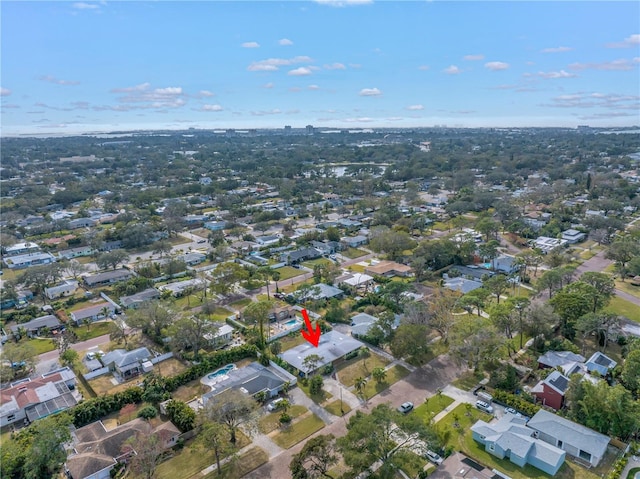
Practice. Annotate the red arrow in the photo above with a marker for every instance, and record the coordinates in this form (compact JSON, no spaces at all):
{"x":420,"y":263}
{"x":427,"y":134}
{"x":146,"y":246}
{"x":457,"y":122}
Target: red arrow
{"x":313,"y":336}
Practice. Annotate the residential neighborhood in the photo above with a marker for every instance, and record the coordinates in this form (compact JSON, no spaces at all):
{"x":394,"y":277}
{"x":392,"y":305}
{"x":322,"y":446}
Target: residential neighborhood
{"x":476,"y":304}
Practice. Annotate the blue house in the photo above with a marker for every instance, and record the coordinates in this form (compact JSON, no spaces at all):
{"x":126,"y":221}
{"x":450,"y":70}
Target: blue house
{"x":511,"y":439}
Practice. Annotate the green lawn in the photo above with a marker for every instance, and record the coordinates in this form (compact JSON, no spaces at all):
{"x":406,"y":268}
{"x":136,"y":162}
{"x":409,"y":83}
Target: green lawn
{"x":271,"y":422}
{"x":298,"y":431}
{"x":624,"y":308}
{"x":42,"y":345}
{"x":243,"y":465}
{"x":468,"y":380}
{"x":394,"y":374}
{"x":357,"y":367}
{"x":311,"y":263}
{"x":192,"y":459}
{"x":335,"y":406}
{"x":356,"y":268}
{"x":410,"y":462}
{"x":432,"y":406}
{"x":94,"y":330}
{"x":324,"y":396}
{"x":241,"y":304}
{"x":187,"y":302}
{"x":288,"y":272}
{"x":353,"y":253}
{"x":628,"y":288}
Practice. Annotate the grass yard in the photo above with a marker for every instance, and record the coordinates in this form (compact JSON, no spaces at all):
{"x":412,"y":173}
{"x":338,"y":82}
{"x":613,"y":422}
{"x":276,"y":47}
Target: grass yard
{"x":169,"y":367}
{"x":353,"y":253}
{"x":351,"y":369}
{"x":241,"y":304}
{"x":625,"y":308}
{"x":288,"y":272}
{"x":187,"y":302}
{"x":628,"y":288}
{"x":42,"y":345}
{"x":432,"y":406}
{"x":291,"y":341}
{"x":356,"y":268}
{"x":468,"y":380}
{"x":334,"y":408}
{"x":311,"y":263}
{"x":394,"y":374}
{"x":323,"y":397}
{"x":95,"y":329}
{"x":252,"y":459}
{"x":271,"y":422}
{"x":190,"y":391}
{"x":298,"y":431}
{"x":102,"y":384}
{"x":410,"y":462}
{"x":192,"y":459}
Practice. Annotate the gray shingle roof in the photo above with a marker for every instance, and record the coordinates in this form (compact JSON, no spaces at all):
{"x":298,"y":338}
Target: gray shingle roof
{"x":332,"y":346}
{"x":122,"y":358}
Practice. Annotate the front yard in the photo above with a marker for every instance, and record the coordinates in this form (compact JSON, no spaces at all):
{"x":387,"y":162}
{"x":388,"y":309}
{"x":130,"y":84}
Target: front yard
{"x":288,"y":272}
{"x":271,"y":421}
{"x":298,"y":431}
{"x":432,"y":406}
{"x":94,"y":330}
{"x":624,"y":308}
{"x":349,"y":370}
{"x":394,"y":374}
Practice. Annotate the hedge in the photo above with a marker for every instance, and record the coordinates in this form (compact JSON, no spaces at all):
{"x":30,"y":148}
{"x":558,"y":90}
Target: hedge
{"x":618,"y":467}
{"x":516,"y":402}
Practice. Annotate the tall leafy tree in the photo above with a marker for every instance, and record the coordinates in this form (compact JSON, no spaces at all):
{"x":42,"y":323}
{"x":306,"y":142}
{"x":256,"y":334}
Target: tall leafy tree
{"x":317,"y":457}
{"x":232,"y":408}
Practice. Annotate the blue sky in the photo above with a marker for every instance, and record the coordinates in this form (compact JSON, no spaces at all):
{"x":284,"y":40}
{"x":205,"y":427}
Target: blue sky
{"x":96,"y":66}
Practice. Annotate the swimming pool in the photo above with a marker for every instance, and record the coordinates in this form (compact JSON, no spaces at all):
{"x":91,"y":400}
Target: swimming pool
{"x":222,"y":371}
{"x":291,"y":322}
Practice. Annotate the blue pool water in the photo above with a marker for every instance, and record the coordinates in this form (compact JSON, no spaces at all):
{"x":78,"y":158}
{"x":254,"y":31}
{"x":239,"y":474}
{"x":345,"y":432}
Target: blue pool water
{"x":222,"y":371}
{"x":291,"y":322}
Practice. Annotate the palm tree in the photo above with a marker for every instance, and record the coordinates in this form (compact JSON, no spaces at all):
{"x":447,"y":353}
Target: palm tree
{"x":379,"y":374}
{"x":360,"y":384}
{"x":364,"y":354}
{"x":87,"y":323}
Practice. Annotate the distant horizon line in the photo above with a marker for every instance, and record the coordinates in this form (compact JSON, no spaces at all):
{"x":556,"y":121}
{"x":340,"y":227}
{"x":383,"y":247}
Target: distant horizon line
{"x":326,"y":129}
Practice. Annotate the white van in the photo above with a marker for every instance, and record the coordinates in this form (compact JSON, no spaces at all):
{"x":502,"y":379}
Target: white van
{"x":275,"y":404}
{"x":484,"y":406}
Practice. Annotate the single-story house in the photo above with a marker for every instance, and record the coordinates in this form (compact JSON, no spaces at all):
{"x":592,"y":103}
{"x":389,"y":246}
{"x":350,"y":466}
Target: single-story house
{"x":361,"y":323}
{"x":472,"y":272}
{"x":78,"y":252}
{"x":21,"y":248}
{"x":572,"y":236}
{"x":389,"y":269}
{"x":326,"y":247}
{"x":135,"y":300}
{"x":82,"y":223}
{"x":93,"y":313}
{"x":126,"y":364}
{"x":222,"y":336}
{"x":356,"y":280}
{"x":33,"y":399}
{"x":108,"y":277}
{"x":577,"y":440}
{"x":551,"y":390}
{"x":601,"y":363}
{"x":251,"y":379}
{"x":267,"y":240}
{"x":321,"y":291}
{"x":462,"y":285}
{"x":510,"y":438}
{"x":553,"y":359}
{"x":96,"y":450}
{"x":27,"y":260}
{"x":20,"y":301}
{"x":193,"y":258}
{"x":179,"y":287}
{"x":546,"y":244}
{"x":67,"y":288}
{"x":35,"y":326}
{"x":303,"y":254}
{"x":354,"y":241}
{"x":215,"y":225}
{"x":331,"y":347}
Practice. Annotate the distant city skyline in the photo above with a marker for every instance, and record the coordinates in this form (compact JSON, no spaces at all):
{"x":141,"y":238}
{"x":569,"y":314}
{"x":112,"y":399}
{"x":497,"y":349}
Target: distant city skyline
{"x":74,"y":67}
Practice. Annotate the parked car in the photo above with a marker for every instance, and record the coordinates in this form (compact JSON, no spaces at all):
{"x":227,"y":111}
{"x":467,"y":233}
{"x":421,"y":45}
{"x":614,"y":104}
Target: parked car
{"x":275,"y":404}
{"x":484,"y":406}
{"x":510,"y":410}
{"x":433,"y":457}
{"x":406,"y":407}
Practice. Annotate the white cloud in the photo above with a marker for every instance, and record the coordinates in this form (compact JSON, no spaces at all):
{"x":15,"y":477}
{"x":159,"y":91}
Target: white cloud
{"x":285,"y":42}
{"x":343,"y":3}
{"x":268,"y":85}
{"x":556,"y":50}
{"x":302,"y":71}
{"x":452,"y":70}
{"x":496,"y":66}
{"x":205,"y":94}
{"x":5,"y":92}
{"x":611,"y":101}
{"x":211,"y":108}
{"x":272,"y":64}
{"x":621,"y":64}
{"x":560,"y":74}
{"x":415,"y":107}
{"x":363,"y":119}
{"x":250,"y":45}
{"x":370,"y":92}
{"x":473,"y":57}
{"x":86,"y":6}
{"x":423,"y":67}
{"x":142,"y":96}
{"x":313,"y":87}
{"x":275,"y":111}
{"x":57,"y":81}
{"x":335,"y":66}
{"x":140,"y":87}
{"x":628,"y":42}
{"x":169,"y":91}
